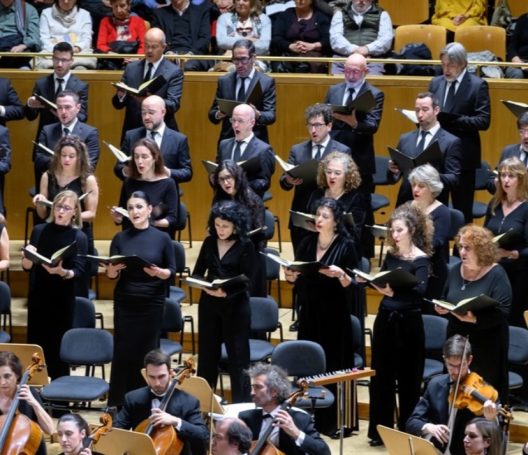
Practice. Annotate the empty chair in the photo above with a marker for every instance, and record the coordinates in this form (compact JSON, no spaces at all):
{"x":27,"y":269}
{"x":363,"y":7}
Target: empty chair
{"x":83,"y":313}
{"x":273,"y":273}
{"x":184,"y":219}
{"x":517,"y":358}
{"x":482,"y":176}
{"x":357,"y":347}
{"x":172,"y":322}
{"x":406,"y":11}
{"x":457,"y":221}
{"x":483,"y":37}
{"x":435,"y":328}
{"x":269,"y":221}
{"x":5,"y":312}
{"x":433,"y":36}
{"x":380,"y":178}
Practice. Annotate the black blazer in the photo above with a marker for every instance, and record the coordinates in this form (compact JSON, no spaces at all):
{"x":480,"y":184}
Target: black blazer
{"x":174,"y":148}
{"x":5,"y":162}
{"x":45,"y":87}
{"x":138,"y":407}
{"x":171,"y":93}
{"x":313,"y":444}
{"x":14,"y":110}
{"x":360,"y":139}
{"x":472,"y":103}
{"x":226,"y":89}
{"x":259,"y":181}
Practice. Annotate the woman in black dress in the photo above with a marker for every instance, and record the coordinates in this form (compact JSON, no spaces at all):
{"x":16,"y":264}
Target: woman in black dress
{"x":51,"y":296}
{"x":139,"y":295}
{"x":230,"y":183}
{"x":224,"y":313}
{"x":149,"y":175}
{"x":508,"y":210}
{"x":487,"y":329}
{"x":398,"y":344}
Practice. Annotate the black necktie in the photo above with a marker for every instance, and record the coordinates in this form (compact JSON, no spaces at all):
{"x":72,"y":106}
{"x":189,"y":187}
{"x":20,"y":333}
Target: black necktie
{"x":148,"y":75}
{"x":350,"y":95}
{"x":241,"y":96}
{"x":421,"y":143}
{"x":66,"y":132}
{"x":59,"y":86}
{"x":237,"y":154}
{"x":450,"y":98}
{"x":525,"y":159}
{"x":153,"y":135}
{"x":319,"y":153}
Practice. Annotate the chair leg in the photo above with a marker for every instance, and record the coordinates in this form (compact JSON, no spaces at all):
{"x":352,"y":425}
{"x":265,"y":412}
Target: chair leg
{"x":189,"y":229}
{"x":277,"y":221}
{"x":29,"y":211}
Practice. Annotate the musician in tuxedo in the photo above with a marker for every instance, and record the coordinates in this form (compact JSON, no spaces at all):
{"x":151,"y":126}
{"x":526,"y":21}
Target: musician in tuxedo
{"x":140,"y":71}
{"x":5,"y":166}
{"x":431,"y":415}
{"x":182,"y":410}
{"x":68,"y":108}
{"x":238,"y":85}
{"x":173,"y":145}
{"x":415,"y":142}
{"x":293,"y":431}
{"x":466,"y":96}
{"x":245,"y":145}
{"x":231,"y":437}
{"x":50,"y":86}
{"x":318,"y":119}
{"x":10,"y":106}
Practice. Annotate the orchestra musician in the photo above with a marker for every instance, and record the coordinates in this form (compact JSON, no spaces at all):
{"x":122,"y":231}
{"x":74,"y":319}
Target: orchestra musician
{"x":73,"y":432}
{"x":231,"y":437}
{"x":430,"y":417}
{"x":482,"y":437}
{"x":294,"y":432}
{"x":182,"y":411}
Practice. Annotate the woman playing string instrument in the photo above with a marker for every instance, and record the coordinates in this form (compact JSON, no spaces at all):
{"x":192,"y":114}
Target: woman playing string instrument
{"x":482,"y":437}
{"x":73,"y":432}
{"x":30,"y":404}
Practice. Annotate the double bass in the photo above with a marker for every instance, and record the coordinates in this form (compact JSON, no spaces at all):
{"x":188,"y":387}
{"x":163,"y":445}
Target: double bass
{"x":165,"y":439}
{"x":19,"y":434}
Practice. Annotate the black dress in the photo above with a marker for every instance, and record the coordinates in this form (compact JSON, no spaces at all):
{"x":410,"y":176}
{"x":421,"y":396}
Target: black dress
{"x":398,"y":348}
{"x":517,"y":269}
{"x":51,"y":299}
{"x":163,"y":197}
{"x":138,"y":306}
{"x":441,"y":218}
{"x":489,"y":336}
{"x":225,"y":320}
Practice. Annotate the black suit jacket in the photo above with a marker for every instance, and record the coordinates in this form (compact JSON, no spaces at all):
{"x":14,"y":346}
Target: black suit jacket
{"x":226,"y":89}
{"x":171,"y":92}
{"x":14,"y":110}
{"x":312,"y":444}
{"x":472,"y":103}
{"x":51,"y":134}
{"x":174,"y":148}
{"x":5,"y":162}
{"x":45,"y":87}
{"x":259,"y":181}
{"x":193,"y":432}
{"x":300,"y":153}
{"x":449,"y":166}
{"x":360,"y":139}
{"x":510,"y":151}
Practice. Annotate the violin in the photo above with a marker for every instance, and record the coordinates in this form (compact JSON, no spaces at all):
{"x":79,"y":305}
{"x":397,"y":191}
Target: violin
{"x":165,"y":439}
{"x":265,"y":447}
{"x":19,"y":434}
{"x":95,"y":435}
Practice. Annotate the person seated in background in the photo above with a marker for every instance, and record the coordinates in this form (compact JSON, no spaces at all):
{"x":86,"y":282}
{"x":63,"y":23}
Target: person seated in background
{"x":231,"y":437}
{"x":19,"y":32}
{"x":218,"y":7}
{"x":65,"y":21}
{"x":453,"y":14}
{"x":121,"y":33}
{"x":517,"y":51}
{"x":361,"y":27}
{"x":303,"y":31}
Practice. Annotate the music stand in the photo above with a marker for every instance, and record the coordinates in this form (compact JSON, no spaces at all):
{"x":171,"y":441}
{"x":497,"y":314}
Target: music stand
{"x":25,"y":353}
{"x":200,"y":388}
{"x":400,"y":443}
{"x":118,"y":442}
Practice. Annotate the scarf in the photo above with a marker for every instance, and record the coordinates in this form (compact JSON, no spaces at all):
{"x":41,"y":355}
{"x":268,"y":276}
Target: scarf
{"x":66,"y":18}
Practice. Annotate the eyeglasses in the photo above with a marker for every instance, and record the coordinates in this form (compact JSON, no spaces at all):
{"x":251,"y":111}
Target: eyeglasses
{"x":240,"y":121}
{"x":523,"y":131}
{"x":314,"y":125}
{"x":227,"y":178}
{"x":63,"y":208}
{"x":61,"y":60}
{"x":353,"y":70}
{"x":242,"y":60}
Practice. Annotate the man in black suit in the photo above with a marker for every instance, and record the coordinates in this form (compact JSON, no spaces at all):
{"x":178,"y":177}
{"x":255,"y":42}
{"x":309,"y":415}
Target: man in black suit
{"x":318,"y":119}
{"x":246,"y":77}
{"x":143,"y":70}
{"x":231,"y":437}
{"x":245,"y":145}
{"x":413,"y":143}
{"x":182,"y":411}
{"x":5,"y":166}
{"x":68,"y":107}
{"x":293,"y":430}
{"x":10,"y":106}
{"x":431,"y":414}
{"x":466,"y":97}
{"x":188,"y":30}
{"x":50,"y":86}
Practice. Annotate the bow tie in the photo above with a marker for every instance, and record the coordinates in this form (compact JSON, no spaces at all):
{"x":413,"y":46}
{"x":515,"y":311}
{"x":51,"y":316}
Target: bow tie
{"x":155,"y":396}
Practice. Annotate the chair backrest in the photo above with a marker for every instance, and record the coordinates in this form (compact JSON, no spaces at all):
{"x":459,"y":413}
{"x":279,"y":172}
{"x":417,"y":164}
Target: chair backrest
{"x":86,"y":346}
{"x":517,"y":7}
{"x":94,"y":266}
{"x":478,"y":38}
{"x":364,"y":265}
{"x":299,"y":358}
{"x":518,"y":346}
{"x":382,"y":166}
{"x":357,"y":335}
{"x":172,"y":317}
{"x":435,"y":328}
{"x":433,"y":36}
{"x":482,"y":176}
{"x":179,"y":254}
{"x":5,"y":298}
{"x":269,"y":222}
{"x":181,"y":220}
{"x":406,"y":11}
{"x":272,"y":267}
{"x":457,"y":221}
{"x":83,"y":313}
{"x":264,"y":314}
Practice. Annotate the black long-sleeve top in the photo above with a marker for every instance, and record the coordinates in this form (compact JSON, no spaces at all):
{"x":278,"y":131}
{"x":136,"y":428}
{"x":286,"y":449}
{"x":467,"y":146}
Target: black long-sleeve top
{"x":518,"y":44}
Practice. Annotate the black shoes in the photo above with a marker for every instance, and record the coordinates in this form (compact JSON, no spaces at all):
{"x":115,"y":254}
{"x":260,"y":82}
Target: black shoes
{"x":375,"y":442}
{"x":294,"y":327}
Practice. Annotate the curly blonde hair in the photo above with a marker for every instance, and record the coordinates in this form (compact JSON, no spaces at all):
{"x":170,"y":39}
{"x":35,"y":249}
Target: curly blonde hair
{"x":516,"y":167}
{"x":352,"y":177}
{"x":419,"y":224}
{"x":481,"y":242}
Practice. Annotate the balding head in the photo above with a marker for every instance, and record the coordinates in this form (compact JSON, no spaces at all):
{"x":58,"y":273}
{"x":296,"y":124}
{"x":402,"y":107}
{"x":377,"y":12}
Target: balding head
{"x":232,"y":437}
{"x":155,"y":44}
{"x":242,"y":121}
{"x":355,"y":68}
{"x":152,"y":112}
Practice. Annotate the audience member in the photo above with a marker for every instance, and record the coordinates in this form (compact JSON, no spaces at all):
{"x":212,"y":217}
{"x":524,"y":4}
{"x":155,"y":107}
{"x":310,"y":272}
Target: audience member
{"x":517,"y":50}
{"x":453,"y":14}
{"x":10,"y":106}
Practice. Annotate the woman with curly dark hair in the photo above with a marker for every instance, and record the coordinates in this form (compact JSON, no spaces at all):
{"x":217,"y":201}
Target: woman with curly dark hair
{"x":398,"y":344}
{"x":224,"y":313}
{"x":478,"y":273}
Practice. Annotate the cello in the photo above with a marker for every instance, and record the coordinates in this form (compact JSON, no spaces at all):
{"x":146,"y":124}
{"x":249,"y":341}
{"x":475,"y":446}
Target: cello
{"x":95,"y":435}
{"x":165,"y":439}
{"x":19,"y":434}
